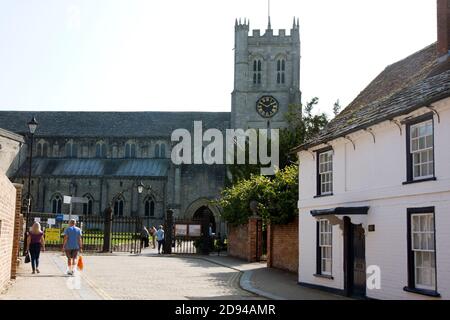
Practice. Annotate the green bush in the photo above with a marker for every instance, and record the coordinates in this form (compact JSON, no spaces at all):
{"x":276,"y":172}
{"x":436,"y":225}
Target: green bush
{"x":276,"y":196}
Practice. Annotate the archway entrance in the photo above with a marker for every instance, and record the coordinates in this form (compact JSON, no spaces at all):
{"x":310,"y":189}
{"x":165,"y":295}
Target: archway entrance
{"x":205,"y":214}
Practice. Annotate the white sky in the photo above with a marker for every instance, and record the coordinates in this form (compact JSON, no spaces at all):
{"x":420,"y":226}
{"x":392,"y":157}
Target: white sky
{"x":176,"y":55}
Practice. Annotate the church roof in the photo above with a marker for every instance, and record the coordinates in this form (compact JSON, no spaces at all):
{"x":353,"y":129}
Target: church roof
{"x":401,"y":88}
{"x":110,"y":124}
{"x":97,"y":167}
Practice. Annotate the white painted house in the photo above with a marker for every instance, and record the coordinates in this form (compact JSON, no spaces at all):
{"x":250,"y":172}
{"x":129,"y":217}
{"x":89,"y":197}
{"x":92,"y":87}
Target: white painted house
{"x":375,"y":185}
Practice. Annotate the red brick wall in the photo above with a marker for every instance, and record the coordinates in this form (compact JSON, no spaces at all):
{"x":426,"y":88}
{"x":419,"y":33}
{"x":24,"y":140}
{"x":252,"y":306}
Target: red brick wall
{"x":238,"y":241}
{"x":282,"y":246}
{"x":18,"y":231}
{"x":7,"y":219}
{"x":245,"y":241}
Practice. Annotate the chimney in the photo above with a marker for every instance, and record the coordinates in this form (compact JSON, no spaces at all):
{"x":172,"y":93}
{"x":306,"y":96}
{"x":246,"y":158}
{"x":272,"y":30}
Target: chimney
{"x":443,"y":21}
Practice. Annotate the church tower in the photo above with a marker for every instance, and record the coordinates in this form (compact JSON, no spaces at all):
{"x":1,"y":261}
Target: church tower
{"x":266,"y":76}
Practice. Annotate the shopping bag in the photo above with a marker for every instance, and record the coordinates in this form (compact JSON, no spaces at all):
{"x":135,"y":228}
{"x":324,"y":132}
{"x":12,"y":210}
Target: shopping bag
{"x":27,"y":258}
{"x":80,"y":264}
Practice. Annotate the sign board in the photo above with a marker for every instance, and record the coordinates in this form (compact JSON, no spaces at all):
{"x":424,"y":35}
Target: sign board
{"x":52,"y":234}
{"x":59,"y":217}
{"x":51,"y":221}
{"x":181,"y":230}
{"x":79,"y":200}
{"x":37,"y":219}
{"x":69,"y":200}
{"x":67,"y":217}
{"x":195,"y":230}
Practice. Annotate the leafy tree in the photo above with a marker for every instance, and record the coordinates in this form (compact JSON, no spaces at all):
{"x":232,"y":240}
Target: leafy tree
{"x":277,"y":195}
{"x":302,"y":126}
{"x":276,"y":198}
{"x":336,"y":108}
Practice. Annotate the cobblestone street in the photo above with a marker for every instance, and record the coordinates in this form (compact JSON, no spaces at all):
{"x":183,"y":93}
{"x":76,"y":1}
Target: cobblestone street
{"x":128,"y":277}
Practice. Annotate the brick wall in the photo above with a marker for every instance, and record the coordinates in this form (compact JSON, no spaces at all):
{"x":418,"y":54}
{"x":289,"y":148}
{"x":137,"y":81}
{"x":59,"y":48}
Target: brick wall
{"x":238,"y":241}
{"x":18,"y":231}
{"x":282,"y":246}
{"x":245,"y":241}
{"x":7,"y":221}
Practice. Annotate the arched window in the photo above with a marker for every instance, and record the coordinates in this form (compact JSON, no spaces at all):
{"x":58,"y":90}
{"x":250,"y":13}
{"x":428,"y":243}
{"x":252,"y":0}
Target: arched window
{"x":45,"y":150}
{"x":281,"y":68}
{"x":88,"y":207}
{"x":71,"y":150}
{"x":56,"y":203}
{"x":130,"y":150}
{"x":162,"y":151}
{"x":100,"y":150}
{"x":118,"y":207}
{"x":157,"y":150}
{"x":257,"y":71}
{"x":39,"y":150}
{"x":149,"y":210}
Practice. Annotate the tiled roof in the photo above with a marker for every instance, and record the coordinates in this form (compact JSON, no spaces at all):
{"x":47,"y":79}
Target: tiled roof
{"x":401,"y":88}
{"x":97,"y":167}
{"x":110,"y":124}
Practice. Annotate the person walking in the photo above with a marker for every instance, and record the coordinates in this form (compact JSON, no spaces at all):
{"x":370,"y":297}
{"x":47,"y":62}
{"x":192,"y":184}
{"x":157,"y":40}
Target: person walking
{"x":144,"y":237}
{"x":35,"y":242}
{"x":72,"y":245}
{"x":153,"y":233}
{"x":160,"y":239}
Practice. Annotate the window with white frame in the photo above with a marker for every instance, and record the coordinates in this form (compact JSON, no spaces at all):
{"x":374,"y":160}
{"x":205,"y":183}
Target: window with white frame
{"x":325,"y":247}
{"x":325,"y":172}
{"x":421,"y":149}
{"x":423,"y":250}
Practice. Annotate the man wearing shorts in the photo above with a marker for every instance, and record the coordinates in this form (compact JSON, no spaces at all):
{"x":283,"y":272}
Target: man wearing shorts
{"x":72,"y":244}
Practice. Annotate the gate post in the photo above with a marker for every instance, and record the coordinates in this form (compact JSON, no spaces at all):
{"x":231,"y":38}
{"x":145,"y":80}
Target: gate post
{"x":107,"y":230}
{"x":206,"y":237}
{"x":168,"y":232}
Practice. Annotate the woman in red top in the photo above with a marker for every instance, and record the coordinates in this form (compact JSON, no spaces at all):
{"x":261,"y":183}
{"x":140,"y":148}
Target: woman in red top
{"x":35,"y":241}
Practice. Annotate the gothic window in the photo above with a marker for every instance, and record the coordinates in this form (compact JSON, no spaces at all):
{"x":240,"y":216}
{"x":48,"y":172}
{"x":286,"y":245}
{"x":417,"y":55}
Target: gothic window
{"x":162,"y":150}
{"x":118,"y":207}
{"x":257,"y":71}
{"x":281,"y":68}
{"x":71,"y":150}
{"x":130,"y":150}
{"x":157,"y":150}
{"x":56,"y":203}
{"x":45,"y":150}
{"x":149,"y":210}
{"x":88,"y":207}
{"x":100,"y":150}
{"x":39,"y":150}
{"x":56,"y":149}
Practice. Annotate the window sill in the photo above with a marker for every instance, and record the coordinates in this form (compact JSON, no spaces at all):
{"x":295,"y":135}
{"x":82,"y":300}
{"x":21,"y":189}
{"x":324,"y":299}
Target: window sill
{"x":429,"y":293}
{"x":323,"y":276}
{"x":323,"y":195}
{"x":418,"y":181}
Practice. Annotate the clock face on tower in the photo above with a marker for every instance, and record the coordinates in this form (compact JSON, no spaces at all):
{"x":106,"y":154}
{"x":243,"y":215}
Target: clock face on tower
{"x":267,"y":106}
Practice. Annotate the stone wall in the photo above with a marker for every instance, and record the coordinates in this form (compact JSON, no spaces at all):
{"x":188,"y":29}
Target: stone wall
{"x":282,"y":246}
{"x":10,"y":151}
{"x":7,"y":226}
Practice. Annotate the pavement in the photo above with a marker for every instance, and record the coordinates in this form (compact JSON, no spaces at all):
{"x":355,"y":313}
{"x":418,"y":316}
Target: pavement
{"x":150,"y":276}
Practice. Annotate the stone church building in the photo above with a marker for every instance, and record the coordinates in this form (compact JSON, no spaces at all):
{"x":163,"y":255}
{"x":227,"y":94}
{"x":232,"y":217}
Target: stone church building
{"x":99,"y":155}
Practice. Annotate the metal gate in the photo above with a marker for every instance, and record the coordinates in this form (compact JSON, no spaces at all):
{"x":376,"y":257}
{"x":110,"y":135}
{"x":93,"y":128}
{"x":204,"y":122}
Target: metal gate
{"x":100,"y":234}
{"x":187,"y":236}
